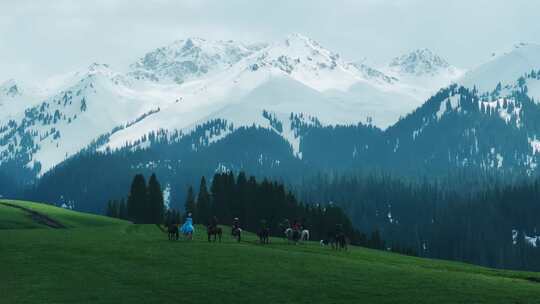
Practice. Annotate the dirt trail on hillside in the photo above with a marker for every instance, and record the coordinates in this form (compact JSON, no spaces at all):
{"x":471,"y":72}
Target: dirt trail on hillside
{"x":37,"y":217}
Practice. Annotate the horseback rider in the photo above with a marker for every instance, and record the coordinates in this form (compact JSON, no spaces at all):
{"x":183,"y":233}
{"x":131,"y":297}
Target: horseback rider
{"x":188,"y":228}
{"x":340,"y":238}
{"x":264,"y":232}
{"x":296,"y":225}
{"x":263,"y":224}
{"x":339,"y":229}
{"x":214,"y":222}
{"x":235,"y":225}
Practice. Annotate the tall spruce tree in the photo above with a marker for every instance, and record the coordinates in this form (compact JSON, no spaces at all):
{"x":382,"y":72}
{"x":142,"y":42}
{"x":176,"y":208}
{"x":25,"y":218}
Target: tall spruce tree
{"x":122,"y":210}
{"x":110,"y":210}
{"x":203,"y":203}
{"x":137,"y":199}
{"x":154,"y":206}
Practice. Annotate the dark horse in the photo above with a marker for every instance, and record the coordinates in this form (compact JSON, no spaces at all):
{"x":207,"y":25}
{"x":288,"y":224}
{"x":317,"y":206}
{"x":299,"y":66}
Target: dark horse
{"x":340,"y":241}
{"x":172,"y":231}
{"x":214,"y":231}
{"x":264,"y":235}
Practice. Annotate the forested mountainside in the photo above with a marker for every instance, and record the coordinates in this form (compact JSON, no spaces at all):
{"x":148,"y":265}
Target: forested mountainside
{"x":456,"y":129}
{"x":480,"y":219}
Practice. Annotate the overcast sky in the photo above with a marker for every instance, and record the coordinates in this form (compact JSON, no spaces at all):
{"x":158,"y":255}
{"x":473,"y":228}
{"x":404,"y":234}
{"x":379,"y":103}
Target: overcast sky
{"x":43,"y":38}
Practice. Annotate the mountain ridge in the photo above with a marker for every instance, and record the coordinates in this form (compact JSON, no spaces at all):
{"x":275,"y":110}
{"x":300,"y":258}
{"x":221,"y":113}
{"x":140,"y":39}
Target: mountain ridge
{"x":295,"y":75}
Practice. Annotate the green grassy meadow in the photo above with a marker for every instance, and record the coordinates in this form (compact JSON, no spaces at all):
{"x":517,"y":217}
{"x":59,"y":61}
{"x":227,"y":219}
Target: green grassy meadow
{"x":103,"y":260}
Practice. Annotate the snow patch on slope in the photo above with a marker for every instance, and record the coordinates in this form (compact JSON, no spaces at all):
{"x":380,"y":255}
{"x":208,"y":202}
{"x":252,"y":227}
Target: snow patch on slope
{"x":535,"y":145}
{"x":452,"y":101}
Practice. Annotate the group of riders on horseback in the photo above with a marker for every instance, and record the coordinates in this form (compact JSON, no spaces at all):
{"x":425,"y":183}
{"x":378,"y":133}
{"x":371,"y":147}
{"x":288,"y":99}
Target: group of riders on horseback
{"x":294,"y":232}
{"x":212,"y":229}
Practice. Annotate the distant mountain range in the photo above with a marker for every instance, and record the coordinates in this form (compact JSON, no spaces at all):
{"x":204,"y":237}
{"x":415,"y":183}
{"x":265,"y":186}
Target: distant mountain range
{"x":417,"y":113}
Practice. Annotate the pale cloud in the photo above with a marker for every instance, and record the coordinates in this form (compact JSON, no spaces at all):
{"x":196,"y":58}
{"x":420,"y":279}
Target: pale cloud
{"x":41,"y":38}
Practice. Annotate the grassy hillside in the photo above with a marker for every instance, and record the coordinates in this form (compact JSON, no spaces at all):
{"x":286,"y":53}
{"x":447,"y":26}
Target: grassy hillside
{"x":17,"y":218}
{"x":13,"y":218}
{"x":124,"y":263}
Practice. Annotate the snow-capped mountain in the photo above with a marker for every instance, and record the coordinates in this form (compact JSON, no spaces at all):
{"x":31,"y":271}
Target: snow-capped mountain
{"x":504,"y":68}
{"x":68,"y":121}
{"x":423,"y":71}
{"x":456,"y":129}
{"x":191,"y":82}
{"x":10,"y":88}
{"x":16,"y":96}
{"x":419,"y":62}
{"x":460,"y":128}
{"x":306,"y":61}
{"x":188,"y":59}
{"x":295,"y":75}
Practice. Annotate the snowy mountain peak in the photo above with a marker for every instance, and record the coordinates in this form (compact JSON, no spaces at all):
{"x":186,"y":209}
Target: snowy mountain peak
{"x":98,"y":67}
{"x":190,"y":58}
{"x":299,"y":40}
{"x":103,"y":72}
{"x":419,"y":62}
{"x":10,"y":88}
{"x":300,"y":45}
{"x":306,"y":61}
{"x":191,"y":42}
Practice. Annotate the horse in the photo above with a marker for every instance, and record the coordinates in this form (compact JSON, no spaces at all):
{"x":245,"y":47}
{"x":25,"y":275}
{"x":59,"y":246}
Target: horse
{"x":214,"y":231}
{"x":337,"y":240}
{"x":264,"y":235}
{"x":172,"y":231}
{"x":304,"y":235}
{"x":292,"y":235}
{"x":236,"y":232}
{"x":340,"y":241}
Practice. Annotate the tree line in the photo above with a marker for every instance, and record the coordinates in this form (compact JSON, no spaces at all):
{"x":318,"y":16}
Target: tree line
{"x":255,"y":203}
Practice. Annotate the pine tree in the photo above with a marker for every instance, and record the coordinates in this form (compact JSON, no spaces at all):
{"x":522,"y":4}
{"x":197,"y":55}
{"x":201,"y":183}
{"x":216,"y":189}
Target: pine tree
{"x":189,"y":205}
{"x":109,"y":211}
{"x":122,"y":210}
{"x":115,"y":209}
{"x":203,"y":203}
{"x":154,"y":206}
{"x":137,"y":199}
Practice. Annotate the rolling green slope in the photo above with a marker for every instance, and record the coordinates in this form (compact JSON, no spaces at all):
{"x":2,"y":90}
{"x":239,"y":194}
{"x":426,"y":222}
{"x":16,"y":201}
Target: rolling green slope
{"x":13,"y":218}
{"x":19,"y":218}
{"x":125,"y":263}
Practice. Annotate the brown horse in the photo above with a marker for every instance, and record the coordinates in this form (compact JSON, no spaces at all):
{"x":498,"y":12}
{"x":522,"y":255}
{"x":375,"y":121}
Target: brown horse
{"x":264,"y":235}
{"x":172,"y":230}
{"x":340,"y":242}
{"x":214,"y":231}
